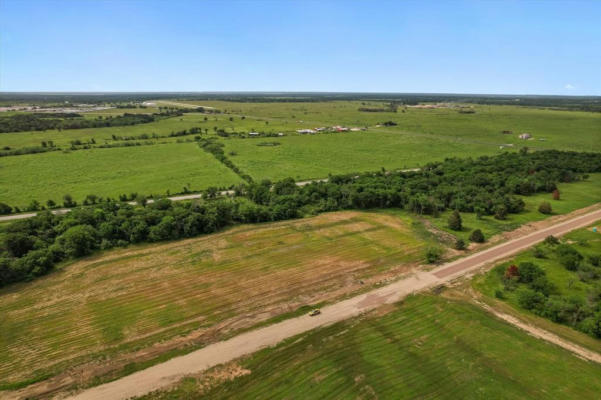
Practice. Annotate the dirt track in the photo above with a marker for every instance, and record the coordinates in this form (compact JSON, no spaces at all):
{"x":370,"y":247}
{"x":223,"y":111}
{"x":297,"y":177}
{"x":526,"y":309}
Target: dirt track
{"x":171,"y":371}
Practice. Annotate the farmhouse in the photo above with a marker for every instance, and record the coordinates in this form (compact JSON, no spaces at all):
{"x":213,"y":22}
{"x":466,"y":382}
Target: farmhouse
{"x":525,"y":136}
{"x":253,"y":133}
{"x":302,"y":131}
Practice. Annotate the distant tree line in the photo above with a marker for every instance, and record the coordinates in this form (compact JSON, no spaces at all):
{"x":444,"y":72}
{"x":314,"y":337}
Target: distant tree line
{"x":41,"y":121}
{"x":485,"y":185}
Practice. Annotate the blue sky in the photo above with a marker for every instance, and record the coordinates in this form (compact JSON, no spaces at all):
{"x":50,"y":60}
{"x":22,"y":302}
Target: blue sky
{"x":517,"y":47}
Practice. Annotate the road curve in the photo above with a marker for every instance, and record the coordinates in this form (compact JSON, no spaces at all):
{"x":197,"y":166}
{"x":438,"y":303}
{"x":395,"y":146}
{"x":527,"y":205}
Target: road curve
{"x":173,"y":370}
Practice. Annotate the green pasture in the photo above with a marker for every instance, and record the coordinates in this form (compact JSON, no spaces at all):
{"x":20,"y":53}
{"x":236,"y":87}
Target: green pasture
{"x":424,"y":347}
{"x":110,"y":172}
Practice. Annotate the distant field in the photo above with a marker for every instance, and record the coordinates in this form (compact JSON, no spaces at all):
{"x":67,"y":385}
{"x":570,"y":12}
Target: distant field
{"x":420,"y":136}
{"x":424,"y":347}
{"x":110,"y":172}
{"x":303,"y":157}
{"x":131,"y":298}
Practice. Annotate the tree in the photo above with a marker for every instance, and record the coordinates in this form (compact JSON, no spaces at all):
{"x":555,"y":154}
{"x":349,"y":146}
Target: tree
{"x":500,"y":212}
{"x":530,"y":299}
{"x":5,"y":208}
{"x":141,"y":200}
{"x":545,"y":208}
{"x":68,"y":201}
{"x":18,"y":244}
{"x":477,"y":236}
{"x":455,"y":222}
{"x":529,"y":272}
{"x":50,"y":203}
{"x":79,"y":240}
{"x":512,"y":272}
{"x":459,"y":244}
{"x":556,"y":194}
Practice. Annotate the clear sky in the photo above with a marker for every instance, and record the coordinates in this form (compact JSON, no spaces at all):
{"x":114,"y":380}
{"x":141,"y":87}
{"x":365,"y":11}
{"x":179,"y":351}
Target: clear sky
{"x":516,"y":47}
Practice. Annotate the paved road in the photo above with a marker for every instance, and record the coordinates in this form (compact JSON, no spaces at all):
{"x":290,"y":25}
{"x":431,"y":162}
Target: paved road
{"x":172,"y":371}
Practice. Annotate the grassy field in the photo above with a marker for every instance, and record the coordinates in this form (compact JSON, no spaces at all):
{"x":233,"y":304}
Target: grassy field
{"x":573,"y":196}
{"x":129,"y":299}
{"x":110,"y":172}
{"x":424,"y":347}
{"x":420,"y":136}
{"x":316,"y":156}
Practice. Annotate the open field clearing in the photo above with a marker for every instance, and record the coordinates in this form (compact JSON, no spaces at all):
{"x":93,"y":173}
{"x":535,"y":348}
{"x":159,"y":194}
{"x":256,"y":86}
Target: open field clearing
{"x":423,"y":347}
{"x":126,"y":300}
{"x":566,"y":130}
{"x":110,"y":172}
{"x":304,"y":157}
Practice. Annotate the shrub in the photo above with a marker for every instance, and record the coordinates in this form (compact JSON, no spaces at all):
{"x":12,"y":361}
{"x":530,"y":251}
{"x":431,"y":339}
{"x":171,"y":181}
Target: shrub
{"x":538,"y":252}
{"x":455,"y":222}
{"x":499,"y":294}
{"x":459,"y":244}
{"x":68,"y":201}
{"x":433,"y":254}
{"x":529,"y":272}
{"x":545,"y":208}
{"x":5,"y":208}
{"x":595,"y":260}
{"x":551,"y":240}
{"x":530,"y":299}
{"x":477,"y":236}
{"x":569,"y":261}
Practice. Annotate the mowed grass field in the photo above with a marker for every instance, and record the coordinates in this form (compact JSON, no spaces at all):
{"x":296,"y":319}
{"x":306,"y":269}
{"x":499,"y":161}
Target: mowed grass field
{"x":425,"y":347}
{"x":110,"y":172}
{"x":129,"y":299}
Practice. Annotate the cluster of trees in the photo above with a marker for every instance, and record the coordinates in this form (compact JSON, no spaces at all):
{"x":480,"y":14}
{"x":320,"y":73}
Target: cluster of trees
{"x":146,"y":136}
{"x":42,"y":121}
{"x":481,"y":185}
{"x":536,"y":293}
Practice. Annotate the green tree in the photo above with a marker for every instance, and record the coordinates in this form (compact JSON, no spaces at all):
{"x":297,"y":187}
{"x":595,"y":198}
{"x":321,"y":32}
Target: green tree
{"x":79,"y":240}
{"x":477,"y":236}
{"x":455,"y":222}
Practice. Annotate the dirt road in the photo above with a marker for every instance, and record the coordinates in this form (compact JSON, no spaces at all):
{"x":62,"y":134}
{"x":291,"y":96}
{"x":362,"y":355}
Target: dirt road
{"x":171,"y":371}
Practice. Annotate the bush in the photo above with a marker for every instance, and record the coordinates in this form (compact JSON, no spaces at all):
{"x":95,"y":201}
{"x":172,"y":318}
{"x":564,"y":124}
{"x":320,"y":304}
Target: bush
{"x":529,"y":272}
{"x":569,"y":261}
{"x":460,"y":244}
{"x":595,"y":260}
{"x":545,"y":208}
{"x":433,"y":254}
{"x":477,"y":236}
{"x":538,"y":252}
{"x":499,"y":294}
{"x":551,"y":240}
{"x":530,"y":299}
{"x":455,"y":222}
{"x":5,"y":208}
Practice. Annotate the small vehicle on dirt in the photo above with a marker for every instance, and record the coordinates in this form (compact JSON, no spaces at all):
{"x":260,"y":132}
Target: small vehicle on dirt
{"x":314,"y":313}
